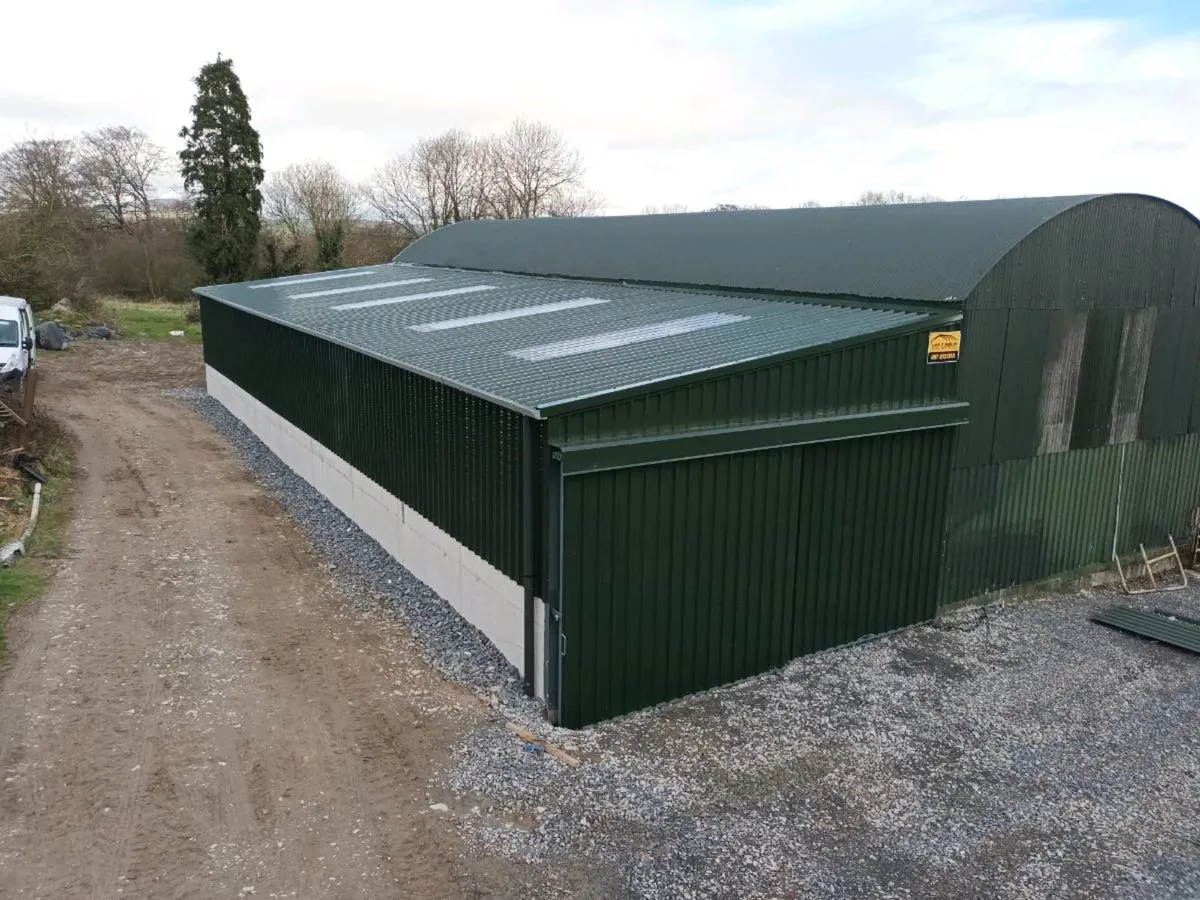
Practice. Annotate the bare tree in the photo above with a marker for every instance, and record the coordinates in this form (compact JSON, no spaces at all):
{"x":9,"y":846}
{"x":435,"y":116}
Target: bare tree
{"x":893,"y":197}
{"x":313,"y":198}
{"x":38,"y":176}
{"x":666,"y":209}
{"x":537,"y":173}
{"x":311,"y":194}
{"x":116,"y":169}
{"x":810,"y":204}
{"x":441,"y":180}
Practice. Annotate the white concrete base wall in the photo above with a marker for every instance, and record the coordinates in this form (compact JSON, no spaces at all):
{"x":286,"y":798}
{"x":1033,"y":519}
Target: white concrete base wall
{"x":479,"y":592}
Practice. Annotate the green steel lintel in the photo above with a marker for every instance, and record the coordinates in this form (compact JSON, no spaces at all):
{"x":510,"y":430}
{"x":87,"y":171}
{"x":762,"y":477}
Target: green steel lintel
{"x":583,"y":458}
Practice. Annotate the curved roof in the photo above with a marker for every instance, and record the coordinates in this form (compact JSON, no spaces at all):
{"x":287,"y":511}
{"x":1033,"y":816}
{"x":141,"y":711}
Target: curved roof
{"x":919,"y":251}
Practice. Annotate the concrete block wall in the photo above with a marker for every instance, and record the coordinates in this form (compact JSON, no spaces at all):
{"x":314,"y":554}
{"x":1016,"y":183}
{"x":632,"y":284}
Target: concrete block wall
{"x":477,"y":590}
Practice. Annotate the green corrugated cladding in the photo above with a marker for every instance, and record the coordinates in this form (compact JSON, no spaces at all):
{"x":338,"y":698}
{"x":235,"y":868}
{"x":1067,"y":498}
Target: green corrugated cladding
{"x":1083,"y":343}
{"x":1029,"y":519}
{"x":686,"y":575}
{"x":885,"y":374}
{"x":452,"y":457}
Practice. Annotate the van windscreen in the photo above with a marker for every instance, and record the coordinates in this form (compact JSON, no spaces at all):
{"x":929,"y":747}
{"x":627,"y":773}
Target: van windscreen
{"x":9,"y":333}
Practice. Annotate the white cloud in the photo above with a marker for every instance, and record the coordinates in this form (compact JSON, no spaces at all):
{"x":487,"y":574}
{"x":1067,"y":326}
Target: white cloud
{"x":676,"y":101}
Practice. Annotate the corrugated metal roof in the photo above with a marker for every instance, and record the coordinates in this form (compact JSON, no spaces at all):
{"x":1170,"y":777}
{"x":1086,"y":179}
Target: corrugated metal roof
{"x":532,"y":343}
{"x":919,"y":251}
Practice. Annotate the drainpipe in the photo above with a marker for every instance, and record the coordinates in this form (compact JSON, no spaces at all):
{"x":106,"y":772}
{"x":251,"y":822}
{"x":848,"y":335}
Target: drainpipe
{"x":529,"y":449}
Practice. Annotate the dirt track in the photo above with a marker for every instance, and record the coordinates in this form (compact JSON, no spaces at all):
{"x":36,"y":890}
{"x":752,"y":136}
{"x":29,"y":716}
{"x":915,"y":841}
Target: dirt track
{"x":192,"y":711}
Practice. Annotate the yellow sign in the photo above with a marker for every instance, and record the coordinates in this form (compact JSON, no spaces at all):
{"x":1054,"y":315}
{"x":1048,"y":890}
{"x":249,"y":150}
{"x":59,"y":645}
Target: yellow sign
{"x":943,"y":346}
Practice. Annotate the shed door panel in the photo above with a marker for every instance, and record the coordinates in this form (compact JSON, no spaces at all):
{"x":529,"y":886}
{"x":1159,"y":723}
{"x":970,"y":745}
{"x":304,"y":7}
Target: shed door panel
{"x":685,"y":575}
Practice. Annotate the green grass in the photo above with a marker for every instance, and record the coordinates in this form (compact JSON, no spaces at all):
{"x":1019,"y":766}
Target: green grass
{"x":29,"y":575}
{"x":152,"y":320}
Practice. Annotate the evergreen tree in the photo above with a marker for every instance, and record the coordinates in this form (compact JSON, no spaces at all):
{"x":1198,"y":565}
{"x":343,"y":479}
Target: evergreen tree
{"x":222,"y":171}
{"x":331,"y":242}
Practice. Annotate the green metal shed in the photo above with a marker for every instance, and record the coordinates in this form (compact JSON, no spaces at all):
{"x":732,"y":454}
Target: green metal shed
{"x":1080,"y":350}
{"x":648,"y":455}
{"x":634,"y":492}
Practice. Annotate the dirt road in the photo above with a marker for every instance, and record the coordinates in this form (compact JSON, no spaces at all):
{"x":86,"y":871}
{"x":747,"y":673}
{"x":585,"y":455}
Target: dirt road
{"x":191,"y":710}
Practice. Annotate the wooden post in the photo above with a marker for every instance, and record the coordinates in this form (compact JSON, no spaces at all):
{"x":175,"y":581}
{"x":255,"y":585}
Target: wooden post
{"x":30,"y":390}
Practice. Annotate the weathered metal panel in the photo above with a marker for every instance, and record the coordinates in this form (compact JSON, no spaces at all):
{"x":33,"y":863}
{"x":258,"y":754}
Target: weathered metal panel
{"x":884,"y":374}
{"x":454,"y":458}
{"x":685,"y":575}
{"x":1060,"y":380}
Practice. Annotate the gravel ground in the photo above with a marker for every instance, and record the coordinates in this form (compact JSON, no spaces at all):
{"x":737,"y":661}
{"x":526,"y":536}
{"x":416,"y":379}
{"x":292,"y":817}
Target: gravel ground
{"x":1027,"y":753}
{"x":452,"y":645}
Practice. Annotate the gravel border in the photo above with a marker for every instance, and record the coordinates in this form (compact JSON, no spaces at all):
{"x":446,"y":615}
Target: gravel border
{"x":372,"y":577}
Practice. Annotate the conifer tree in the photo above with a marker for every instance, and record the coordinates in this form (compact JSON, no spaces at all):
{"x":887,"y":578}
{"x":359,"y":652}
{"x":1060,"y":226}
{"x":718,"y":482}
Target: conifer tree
{"x":222,"y":172}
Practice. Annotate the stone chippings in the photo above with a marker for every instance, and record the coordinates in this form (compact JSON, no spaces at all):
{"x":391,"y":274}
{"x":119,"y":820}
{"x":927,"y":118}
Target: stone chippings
{"x":1027,"y":753}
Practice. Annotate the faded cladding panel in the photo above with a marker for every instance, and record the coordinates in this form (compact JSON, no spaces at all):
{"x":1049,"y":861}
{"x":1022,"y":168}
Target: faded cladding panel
{"x":1136,"y":335}
{"x":887,"y":374}
{"x":452,"y":457}
{"x":1098,"y":372}
{"x":1060,"y":380}
{"x":686,"y":575}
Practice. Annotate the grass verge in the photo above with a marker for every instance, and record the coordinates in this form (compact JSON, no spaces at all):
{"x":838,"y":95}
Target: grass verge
{"x":154,"y":320}
{"x":29,"y":575}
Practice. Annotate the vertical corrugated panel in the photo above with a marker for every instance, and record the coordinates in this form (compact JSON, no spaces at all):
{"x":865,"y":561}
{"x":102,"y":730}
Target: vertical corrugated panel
{"x":985,"y":332}
{"x":685,"y":575}
{"x":1161,"y":488}
{"x":452,"y":457}
{"x":1018,"y":426}
{"x":1097,"y":379}
{"x":1025,"y":520}
{"x":883,"y":374}
{"x":1173,"y":364}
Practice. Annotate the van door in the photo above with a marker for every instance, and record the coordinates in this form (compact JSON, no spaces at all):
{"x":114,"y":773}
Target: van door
{"x":28,"y":340}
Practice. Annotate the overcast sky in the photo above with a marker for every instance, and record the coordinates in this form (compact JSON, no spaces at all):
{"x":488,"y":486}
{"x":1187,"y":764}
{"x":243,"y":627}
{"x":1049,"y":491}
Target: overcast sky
{"x":670,"y":102}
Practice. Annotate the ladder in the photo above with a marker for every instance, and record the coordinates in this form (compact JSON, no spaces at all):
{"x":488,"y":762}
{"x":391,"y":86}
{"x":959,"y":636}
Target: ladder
{"x":1148,"y":562}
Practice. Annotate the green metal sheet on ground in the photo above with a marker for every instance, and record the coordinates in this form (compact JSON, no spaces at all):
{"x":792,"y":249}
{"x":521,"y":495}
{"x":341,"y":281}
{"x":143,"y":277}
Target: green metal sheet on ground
{"x":535,"y":343}
{"x":1165,"y":628}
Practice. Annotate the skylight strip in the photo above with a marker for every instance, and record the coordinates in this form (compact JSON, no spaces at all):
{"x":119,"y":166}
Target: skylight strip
{"x":289,"y":282}
{"x":407,"y":297}
{"x":518,"y":313}
{"x":612,"y":339}
{"x":358,"y":288}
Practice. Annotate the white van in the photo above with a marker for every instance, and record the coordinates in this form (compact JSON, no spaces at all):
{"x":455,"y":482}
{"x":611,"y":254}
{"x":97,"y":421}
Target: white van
{"x":17,"y":345}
